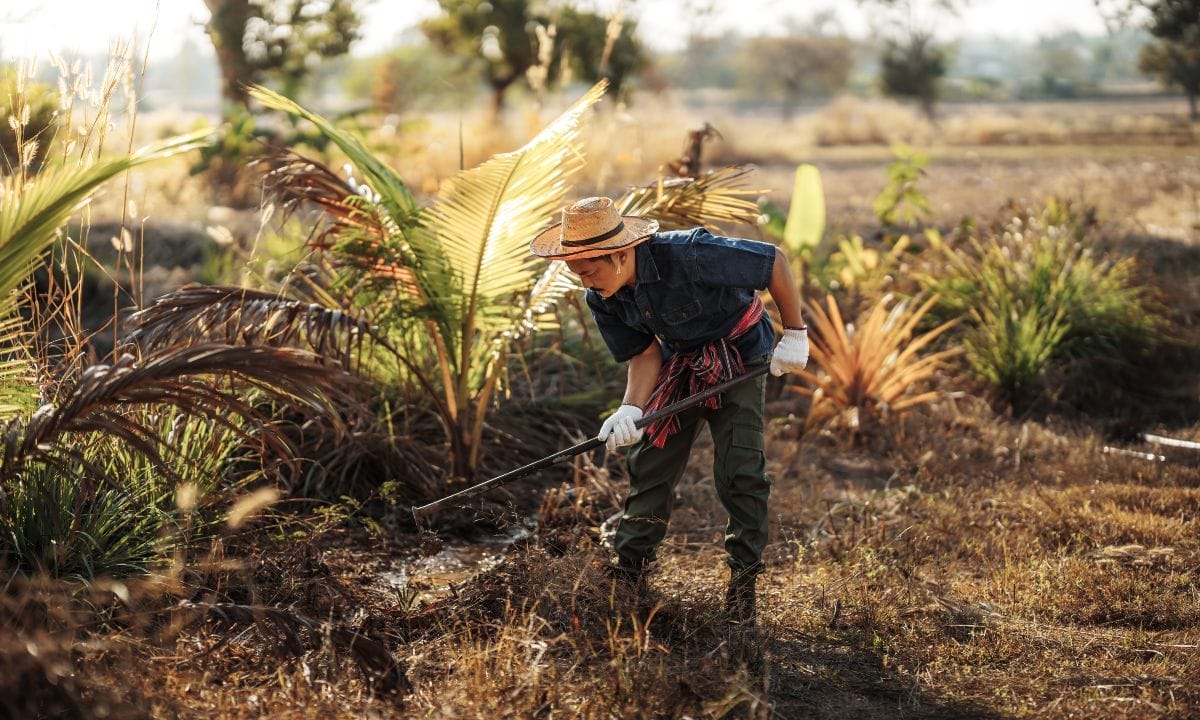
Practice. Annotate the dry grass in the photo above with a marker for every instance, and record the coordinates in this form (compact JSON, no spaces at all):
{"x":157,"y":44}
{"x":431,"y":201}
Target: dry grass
{"x":968,"y":566}
{"x":963,"y":565}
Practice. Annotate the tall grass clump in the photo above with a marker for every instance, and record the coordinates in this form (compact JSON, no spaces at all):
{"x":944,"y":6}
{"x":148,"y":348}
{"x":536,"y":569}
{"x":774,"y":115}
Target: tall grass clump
{"x":112,"y":510}
{"x":1033,"y":292}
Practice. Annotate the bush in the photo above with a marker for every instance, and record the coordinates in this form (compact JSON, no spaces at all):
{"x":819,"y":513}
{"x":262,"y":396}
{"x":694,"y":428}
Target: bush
{"x":866,"y":369}
{"x":112,"y":511}
{"x":1033,"y":292}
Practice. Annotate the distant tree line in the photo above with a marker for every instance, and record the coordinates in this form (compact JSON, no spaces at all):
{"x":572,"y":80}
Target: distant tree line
{"x":533,"y":45}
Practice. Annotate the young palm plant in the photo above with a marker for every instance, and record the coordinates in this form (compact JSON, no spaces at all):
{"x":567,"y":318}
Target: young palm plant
{"x":867,"y":369}
{"x":448,"y":288}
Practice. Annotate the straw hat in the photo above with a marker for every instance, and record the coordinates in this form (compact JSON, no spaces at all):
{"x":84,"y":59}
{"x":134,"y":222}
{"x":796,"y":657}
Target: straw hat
{"x":590,"y":228}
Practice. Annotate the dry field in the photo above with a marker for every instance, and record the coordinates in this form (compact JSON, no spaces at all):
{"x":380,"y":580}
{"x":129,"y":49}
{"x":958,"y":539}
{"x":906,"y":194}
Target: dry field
{"x":961,"y":562}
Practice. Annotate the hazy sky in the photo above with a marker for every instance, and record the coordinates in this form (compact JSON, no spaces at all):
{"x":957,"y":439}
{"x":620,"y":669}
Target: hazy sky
{"x":90,"y":25}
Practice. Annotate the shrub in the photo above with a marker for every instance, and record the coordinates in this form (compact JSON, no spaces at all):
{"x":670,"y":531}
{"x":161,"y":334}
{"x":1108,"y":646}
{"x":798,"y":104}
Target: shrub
{"x":867,"y":369}
{"x":1033,"y":292}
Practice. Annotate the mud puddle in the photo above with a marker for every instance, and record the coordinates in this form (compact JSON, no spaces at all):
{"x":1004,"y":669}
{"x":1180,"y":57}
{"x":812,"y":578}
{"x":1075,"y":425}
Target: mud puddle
{"x":425,"y":579}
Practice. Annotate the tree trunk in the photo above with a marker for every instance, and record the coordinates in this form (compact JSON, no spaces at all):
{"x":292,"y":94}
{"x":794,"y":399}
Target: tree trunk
{"x":1193,"y":111}
{"x":929,"y":105}
{"x":226,"y":28}
{"x":499,"y":86}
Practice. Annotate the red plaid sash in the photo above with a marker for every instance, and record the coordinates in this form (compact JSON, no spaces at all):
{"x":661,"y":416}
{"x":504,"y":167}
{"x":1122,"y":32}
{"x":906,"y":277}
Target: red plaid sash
{"x":691,"y":372}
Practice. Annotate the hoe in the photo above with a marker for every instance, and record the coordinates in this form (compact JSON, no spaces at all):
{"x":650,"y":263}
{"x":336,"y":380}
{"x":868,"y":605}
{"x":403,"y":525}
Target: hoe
{"x":423,"y":511}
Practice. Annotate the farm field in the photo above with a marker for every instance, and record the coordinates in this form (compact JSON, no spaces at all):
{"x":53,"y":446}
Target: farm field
{"x":981,"y":556}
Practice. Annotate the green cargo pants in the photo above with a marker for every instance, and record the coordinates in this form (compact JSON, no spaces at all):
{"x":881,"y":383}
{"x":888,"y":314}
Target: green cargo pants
{"x":739,"y":470}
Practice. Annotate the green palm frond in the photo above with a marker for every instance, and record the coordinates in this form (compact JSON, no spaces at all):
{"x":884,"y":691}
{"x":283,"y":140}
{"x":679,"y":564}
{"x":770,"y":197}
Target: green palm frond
{"x":32,"y":213}
{"x":486,"y":219}
{"x":180,"y":377}
{"x":715,"y":199}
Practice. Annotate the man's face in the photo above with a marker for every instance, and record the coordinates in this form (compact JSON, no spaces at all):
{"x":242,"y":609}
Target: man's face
{"x":600,"y":274}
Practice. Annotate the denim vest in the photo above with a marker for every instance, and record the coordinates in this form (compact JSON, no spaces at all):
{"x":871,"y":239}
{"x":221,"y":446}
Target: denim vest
{"x":692,"y":287}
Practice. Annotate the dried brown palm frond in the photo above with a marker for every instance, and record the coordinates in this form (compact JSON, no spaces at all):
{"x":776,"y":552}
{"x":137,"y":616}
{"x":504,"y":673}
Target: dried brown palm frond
{"x":712,"y":200}
{"x":295,"y":180}
{"x":241,"y":316}
{"x":296,"y":634}
{"x":868,"y":368}
{"x":234,"y":315}
{"x":187,"y":377}
{"x":352,"y":225}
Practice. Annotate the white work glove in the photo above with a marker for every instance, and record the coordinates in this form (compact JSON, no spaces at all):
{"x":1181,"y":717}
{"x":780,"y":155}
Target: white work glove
{"x":619,"y":429}
{"x":791,"y":354}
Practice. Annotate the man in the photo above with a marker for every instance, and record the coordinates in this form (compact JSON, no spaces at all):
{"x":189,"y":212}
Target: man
{"x":682,"y":308}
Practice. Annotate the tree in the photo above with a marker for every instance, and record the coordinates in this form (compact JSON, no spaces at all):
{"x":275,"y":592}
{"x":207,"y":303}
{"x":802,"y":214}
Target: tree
{"x":912,"y":63}
{"x":797,"y":66}
{"x":600,"y":48}
{"x":912,"y":68}
{"x":1063,"y":60}
{"x":499,"y":34}
{"x":1174,"y":56}
{"x":281,"y":39}
{"x":503,"y":35}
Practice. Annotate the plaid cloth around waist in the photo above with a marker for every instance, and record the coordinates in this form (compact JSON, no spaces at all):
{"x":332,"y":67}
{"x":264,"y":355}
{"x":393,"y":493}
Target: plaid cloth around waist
{"x":688,"y":373}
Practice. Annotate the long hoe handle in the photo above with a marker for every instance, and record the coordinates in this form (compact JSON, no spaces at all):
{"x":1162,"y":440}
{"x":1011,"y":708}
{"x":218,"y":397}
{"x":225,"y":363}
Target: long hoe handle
{"x":422,"y":511}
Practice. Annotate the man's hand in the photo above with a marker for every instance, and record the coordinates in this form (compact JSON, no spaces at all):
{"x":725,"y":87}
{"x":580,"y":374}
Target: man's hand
{"x":791,"y":354}
{"x":619,"y":429}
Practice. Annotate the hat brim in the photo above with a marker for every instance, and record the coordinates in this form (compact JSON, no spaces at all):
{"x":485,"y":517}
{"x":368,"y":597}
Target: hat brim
{"x":548,"y":243}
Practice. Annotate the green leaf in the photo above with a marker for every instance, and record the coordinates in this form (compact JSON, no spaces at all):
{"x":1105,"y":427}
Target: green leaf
{"x":806,"y":216}
{"x":31,"y":214}
{"x":18,"y":392}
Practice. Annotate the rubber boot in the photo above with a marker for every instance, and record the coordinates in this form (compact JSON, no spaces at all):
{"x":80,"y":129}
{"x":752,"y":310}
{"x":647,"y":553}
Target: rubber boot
{"x":631,"y":576}
{"x":740,"y":598}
